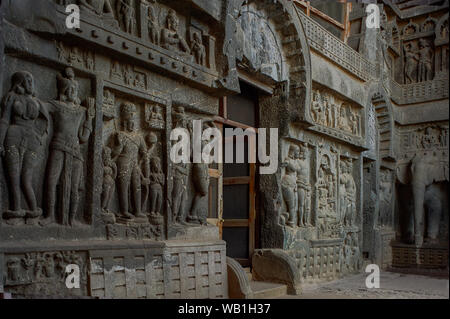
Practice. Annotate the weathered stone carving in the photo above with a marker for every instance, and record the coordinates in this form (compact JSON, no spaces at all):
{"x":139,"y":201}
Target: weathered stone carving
{"x":126,"y":15}
{"x":154,"y":28}
{"x":426,"y":56}
{"x":100,"y":9}
{"x":130,"y":144}
{"x":347,"y":194}
{"x":200,"y":177}
{"x":289,"y":186}
{"x":109,"y":107}
{"x":72,"y":127}
{"x":386,"y":185}
{"x":352,"y":258}
{"x":180,"y":175}
{"x":260,"y":48}
{"x":304,"y":187}
{"x":326,"y":193}
{"x":198,"y":49}
{"x":128,"y":75}
{"x":425,"y":170}
{"x":41,"y":272}
{"x":21,"y":141}
{"x":157,"y":181}
{"x":109,"y":177}
{"x":154,"y":116}
{"x":171,"y":39}
{"x":411,"y":63}
{"x":318,"y":110}
{"x":336,"y":114}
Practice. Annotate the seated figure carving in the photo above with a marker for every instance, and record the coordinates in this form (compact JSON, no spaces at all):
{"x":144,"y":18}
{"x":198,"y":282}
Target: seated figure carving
{"x":170,"y":37}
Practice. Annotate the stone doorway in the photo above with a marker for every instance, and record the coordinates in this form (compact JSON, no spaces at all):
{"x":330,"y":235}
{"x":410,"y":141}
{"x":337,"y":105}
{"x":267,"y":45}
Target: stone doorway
{"x":239,"y":179}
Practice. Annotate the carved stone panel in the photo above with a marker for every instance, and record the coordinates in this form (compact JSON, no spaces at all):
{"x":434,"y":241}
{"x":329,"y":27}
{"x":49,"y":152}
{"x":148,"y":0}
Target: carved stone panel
{"x":43,"y":273}
{"x":134,"y":173}
{"x":336,"y":116}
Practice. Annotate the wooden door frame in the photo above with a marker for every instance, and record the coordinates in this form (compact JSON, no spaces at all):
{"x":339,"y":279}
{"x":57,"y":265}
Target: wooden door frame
{"x":241,"y":180}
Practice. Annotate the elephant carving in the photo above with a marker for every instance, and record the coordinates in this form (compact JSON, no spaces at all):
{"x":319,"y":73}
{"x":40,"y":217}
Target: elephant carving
{"x":425,"y":171}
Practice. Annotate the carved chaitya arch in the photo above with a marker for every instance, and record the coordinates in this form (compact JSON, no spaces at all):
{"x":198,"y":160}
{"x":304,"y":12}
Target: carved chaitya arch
{"x":292,"y":44}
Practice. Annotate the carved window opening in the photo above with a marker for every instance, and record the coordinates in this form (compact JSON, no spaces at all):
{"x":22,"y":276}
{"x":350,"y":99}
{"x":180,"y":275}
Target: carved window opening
{"x":334,"y":16}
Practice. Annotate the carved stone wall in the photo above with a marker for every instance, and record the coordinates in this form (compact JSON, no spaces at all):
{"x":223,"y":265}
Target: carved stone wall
{"x":86,"y":115}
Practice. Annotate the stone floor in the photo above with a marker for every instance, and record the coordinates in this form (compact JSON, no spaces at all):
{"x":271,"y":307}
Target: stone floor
{"x":392,"y":286}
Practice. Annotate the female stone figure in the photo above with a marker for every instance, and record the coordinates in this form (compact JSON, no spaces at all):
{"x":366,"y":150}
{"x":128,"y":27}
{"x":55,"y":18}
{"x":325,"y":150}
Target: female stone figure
{"x":200,"y":177}
{"x":152,"y":140}
{"x":109,"y":176}
{"x":289,"y":185}
{"x":21,"y":139}
{"x":411,"y":61}
{"x":156,"y":186}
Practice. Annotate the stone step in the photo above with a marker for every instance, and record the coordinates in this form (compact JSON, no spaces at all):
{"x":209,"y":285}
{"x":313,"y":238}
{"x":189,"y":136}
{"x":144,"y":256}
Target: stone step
{"x":267,"y":290}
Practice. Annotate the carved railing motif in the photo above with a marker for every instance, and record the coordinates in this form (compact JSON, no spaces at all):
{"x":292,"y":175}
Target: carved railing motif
{"x":322,"y":40}
{"x":417,"y":92}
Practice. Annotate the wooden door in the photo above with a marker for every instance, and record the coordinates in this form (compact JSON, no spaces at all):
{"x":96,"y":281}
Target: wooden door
{"x":238,"y":179}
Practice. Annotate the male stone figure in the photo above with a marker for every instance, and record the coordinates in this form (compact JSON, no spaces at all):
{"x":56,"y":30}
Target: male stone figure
{"x":154,"y":29}
{"x":289,"y":185}
{"x":171,"y":39}
{"x":130,"y":144}
{"x":72,"y":127}
{"x":21,"y":142}
{"x":317,"y":108}
{"x":101,"y":8}
{"x":198,"y":49}
{"x":179,"y":192}
{"x":425,"y":60}
{"x":385,"y":196}
{"x":429,"y":140}
{"x":411,"y":60}
{"x":342,"y":192}
{"x":303,"y":187}
{"x":350,"y":188}
{"x":328,"y":110}
{"x":126,"y":15}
